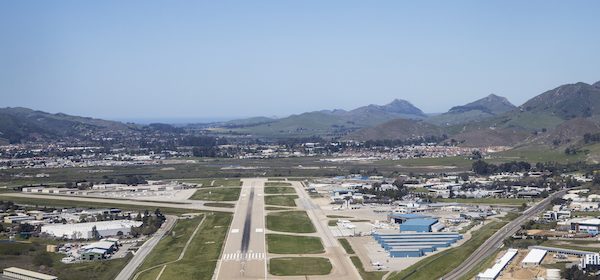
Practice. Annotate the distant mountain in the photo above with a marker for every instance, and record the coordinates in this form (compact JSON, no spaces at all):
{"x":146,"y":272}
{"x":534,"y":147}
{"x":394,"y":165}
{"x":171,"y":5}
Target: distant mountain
{"x":543,"y":119}
{"x":489,"y":106}
{"x":329,"y":123}
{"x":22,"y":124}
{"x":569,"y":101}
{"x":398,"y":129}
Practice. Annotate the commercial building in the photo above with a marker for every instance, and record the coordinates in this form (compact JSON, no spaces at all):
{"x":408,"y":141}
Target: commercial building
{"x":23,"y":274}
{"x":494,"y":271}
{"x":591,"y":226}
{"x":533,"y":258}
{"x":84,"y":230}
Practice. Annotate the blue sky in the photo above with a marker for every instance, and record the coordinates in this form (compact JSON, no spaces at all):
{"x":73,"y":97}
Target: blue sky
{"x":220,"y":59}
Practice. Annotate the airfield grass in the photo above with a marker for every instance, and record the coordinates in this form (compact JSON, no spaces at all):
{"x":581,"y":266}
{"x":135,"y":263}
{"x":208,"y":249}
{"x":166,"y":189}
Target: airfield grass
{"x":209,"y":241}
{"x":169,"y":248}
{"x":217,"y":194}
{"x":215,"y":182}
{"x":277,"y":184}
{"x":297,"y":266}
{"x":279,"y":190}
{"x":219,"y":204}
{"x":281,"y":200}
{"x":292,"y":244}
{"x":436,"y":266}
{"x":366,"y":275}
{"x":457,"y":162}
{"x":506,"y":201}
{"x":290,"y":221}
{"x":275,"y":208}
{"x":86,"y":204}
{"x":347,"y":247}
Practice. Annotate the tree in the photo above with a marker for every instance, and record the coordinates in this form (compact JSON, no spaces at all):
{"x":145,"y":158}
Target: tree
{"x":95,"y":233}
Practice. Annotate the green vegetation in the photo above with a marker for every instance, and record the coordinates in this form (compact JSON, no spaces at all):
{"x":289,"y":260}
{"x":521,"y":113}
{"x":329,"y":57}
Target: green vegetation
{"x":346,"y":244}
{"x":585,"y":213}
{"x":208,"y":240}
{"x":274,"y":208}
{"x":534,"y":154}
{"x":291,"y":244}
{"x":281,"y":200}
{"x":219,"y":204}
{"x":290,"y":221}
{"x":299,"y":266}
{"x":217,"y":194}
{"x":436,"y":266}
{"x":214,"y":182}
{"x":279,"y":190}
{"x":277,"y":184}
{"x":366,"y":275}
{"x":572,"y":244}
{"x":338,"y":217}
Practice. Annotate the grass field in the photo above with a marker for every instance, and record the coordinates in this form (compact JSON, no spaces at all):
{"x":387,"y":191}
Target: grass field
{"x":281,"y":200}
{"x":585,"y":213}
{"x":299,"y":266}
{"x":194,"y":265}
{"x":217,"y":194}
{"x":534,"y":154}
{"x":366,"y":275}
{"x":346,"y":245}
{"x":291,"y":244}
{"x":215,"y":182}
{"x":290,"y":221}
{"x":436,"y":266}
{"x":275,"y":208}
{"x":277,"y":184}
{"x":279,"y":190}
{"x":219,"y":204}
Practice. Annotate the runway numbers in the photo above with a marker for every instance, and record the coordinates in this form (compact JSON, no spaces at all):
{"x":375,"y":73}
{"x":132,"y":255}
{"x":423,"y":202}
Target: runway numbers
{"x":239,"y":256}
{"x":235,"y":230}
{"x":259,"y":230}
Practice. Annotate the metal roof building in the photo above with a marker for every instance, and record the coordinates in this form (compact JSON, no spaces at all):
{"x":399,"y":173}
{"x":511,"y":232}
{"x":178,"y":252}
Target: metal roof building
{"x":418,"y":225}
{"x":84,"y":230}
{"x":494,"y":271}
{"x":533,"y":258}
{"x":406,"y":245}
{"x":23,"y":274}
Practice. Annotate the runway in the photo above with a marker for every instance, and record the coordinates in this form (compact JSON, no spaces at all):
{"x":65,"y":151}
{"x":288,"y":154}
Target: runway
{"x":245,"y":250}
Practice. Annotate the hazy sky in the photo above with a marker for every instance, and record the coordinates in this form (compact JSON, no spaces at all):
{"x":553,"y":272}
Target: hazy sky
{"x":214,"y":59}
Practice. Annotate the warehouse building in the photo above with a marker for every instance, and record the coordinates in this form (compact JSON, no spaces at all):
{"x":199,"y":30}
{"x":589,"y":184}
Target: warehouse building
{"x":414,"y":245}
{"x":533,"y":258}
{"x":494,"y":271}
{"x":84,"y":230}
{"x":591,"y":261}
{"x":23,"y":274}
{"x":420,"y":225}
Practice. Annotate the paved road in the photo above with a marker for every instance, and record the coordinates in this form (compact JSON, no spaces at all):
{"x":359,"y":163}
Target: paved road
{"x":495,"y":242}
{"x":244,"y":254}
{"x":192,"y":205}
{"x":145,"y":249}
{"x":343,"y":268}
